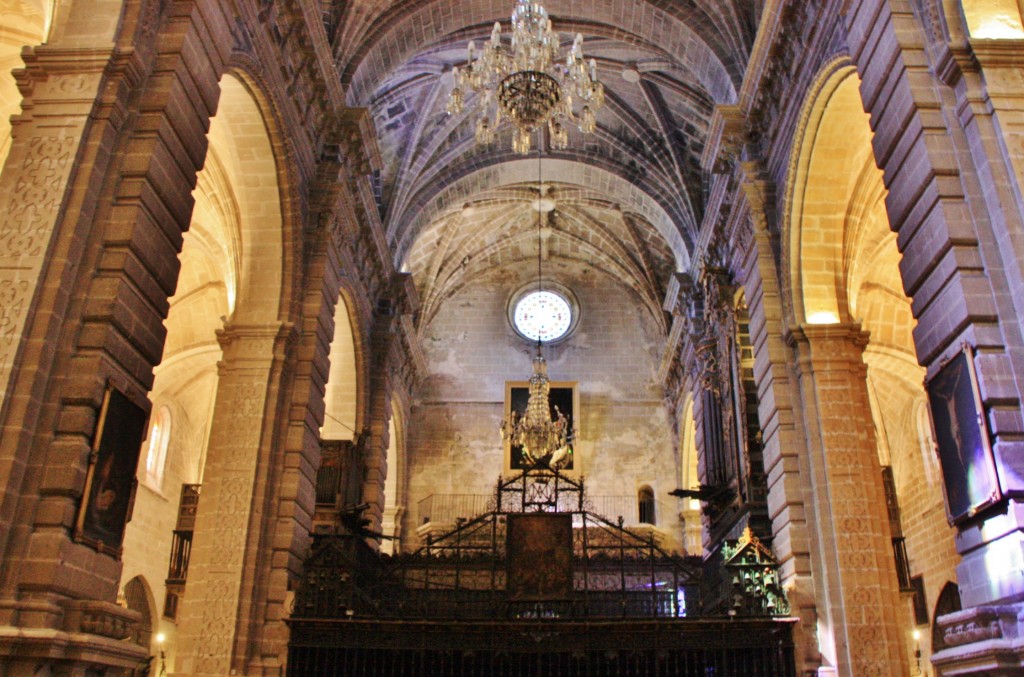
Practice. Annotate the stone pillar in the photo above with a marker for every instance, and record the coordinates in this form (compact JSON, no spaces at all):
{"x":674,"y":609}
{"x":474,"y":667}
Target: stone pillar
{"x":858,"y":572}
{"x":59,"y":87}
{"x":56,"y":604}
{"x":693,"y":529}
{"x":375,"y":447}
{"x":952,"y":156}
{"x":225,"y":549}
{"x":991,"y":102}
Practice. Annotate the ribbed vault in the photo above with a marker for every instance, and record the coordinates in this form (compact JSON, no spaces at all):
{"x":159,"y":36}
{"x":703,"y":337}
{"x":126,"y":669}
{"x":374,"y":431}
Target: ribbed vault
{"x":629,"y":197}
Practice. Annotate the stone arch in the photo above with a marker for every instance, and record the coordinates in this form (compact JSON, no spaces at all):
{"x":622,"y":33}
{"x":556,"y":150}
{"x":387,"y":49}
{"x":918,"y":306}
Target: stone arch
{"x":138,"y":596}
{"x":646,"y":510}
{"x":240,"y":137}
{"x":688,"y":478}
{"x":842,"y":268}
{"x":232,"y":265}
{"x":947,"y":602}
{"x":812,"y":254}
{"x":394,"y":481}
{"x":249,"y":186}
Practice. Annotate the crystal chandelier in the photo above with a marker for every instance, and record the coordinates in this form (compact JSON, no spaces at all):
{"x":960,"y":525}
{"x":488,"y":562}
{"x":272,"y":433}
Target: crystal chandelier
{"x":531,"y":86}
{"x":543,"y":441}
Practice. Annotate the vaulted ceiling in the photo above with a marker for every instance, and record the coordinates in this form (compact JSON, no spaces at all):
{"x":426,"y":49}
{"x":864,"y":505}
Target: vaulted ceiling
{"x":628,"y":198}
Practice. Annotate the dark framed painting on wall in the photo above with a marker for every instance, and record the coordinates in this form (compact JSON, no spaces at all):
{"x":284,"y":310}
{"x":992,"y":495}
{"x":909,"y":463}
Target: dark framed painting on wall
{"x":962,"y":441}
{"x":110,"y":480}
{"x":539,"y":550}
{"x":562,"y":394}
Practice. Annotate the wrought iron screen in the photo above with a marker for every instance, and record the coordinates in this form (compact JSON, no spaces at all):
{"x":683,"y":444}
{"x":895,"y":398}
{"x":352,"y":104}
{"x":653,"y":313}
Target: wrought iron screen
{"x":464,"y":574}
{"x":477,"y":602}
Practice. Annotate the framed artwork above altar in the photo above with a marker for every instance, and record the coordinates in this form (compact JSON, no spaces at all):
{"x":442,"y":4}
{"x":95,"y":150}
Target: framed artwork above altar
{"x":565,"y":396}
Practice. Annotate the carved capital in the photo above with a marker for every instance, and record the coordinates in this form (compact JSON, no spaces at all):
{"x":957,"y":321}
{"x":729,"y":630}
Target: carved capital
{"x":727,"y":134}
{"x":359,"y":140}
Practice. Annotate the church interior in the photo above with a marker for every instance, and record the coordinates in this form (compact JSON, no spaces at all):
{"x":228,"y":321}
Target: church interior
{"x":511,"y":337}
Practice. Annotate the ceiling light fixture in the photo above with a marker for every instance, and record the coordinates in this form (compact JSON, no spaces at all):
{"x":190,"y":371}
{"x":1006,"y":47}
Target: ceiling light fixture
{"x":532,"y":85}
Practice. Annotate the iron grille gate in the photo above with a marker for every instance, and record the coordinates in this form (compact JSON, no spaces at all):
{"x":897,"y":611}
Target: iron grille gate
{"x":572,"y":594}
{"x":679,"y":648}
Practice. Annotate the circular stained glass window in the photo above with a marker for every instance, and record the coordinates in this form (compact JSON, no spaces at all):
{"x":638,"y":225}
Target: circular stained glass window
{"x":542,"y":315}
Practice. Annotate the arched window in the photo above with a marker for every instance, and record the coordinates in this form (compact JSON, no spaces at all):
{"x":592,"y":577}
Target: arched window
{"x":156,"y":456}
{"x":645,"y":503}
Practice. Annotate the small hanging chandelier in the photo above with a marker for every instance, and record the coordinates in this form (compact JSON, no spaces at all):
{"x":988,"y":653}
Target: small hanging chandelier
{"x":543,"y":440}
{"x":531,"y":86}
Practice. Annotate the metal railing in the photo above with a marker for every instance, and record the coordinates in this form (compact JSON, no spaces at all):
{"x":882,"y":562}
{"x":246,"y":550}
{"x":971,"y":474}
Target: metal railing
{"x":181,"y":549}
{"x":446,"y":508}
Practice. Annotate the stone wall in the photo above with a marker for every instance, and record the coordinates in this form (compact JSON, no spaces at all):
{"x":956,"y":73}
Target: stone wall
{"x":625,"y":438}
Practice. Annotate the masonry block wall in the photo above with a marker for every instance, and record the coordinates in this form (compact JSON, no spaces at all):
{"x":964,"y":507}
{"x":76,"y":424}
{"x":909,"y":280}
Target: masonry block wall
{"x":625,"y":437}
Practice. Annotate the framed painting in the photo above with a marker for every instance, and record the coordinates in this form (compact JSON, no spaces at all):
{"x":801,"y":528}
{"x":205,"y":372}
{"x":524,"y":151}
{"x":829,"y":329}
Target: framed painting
{"x":110,"y":481}
{"x":539,"y":547}
{"x":565,"y":396}
{"x":962,"y":441}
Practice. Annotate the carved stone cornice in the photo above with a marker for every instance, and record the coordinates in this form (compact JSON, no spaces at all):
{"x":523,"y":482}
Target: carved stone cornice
{"x":100,"y":618}
{"x":727,"y":134}
{"x":838,"y":346}
{"x":246,"y":345}
{"x":785,"y":32}
{"x":359,"y":138}
{"x":1002,"y":53}
{"x":302,"y":54}
{"x":980,"y":624}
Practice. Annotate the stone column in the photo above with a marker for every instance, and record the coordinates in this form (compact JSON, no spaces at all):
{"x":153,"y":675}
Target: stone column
{"x":952,"y":155}
{"x":52,"y":604}
{"x":59,"y":87}
{"x":859,"y":584}
{"x":991,"y":102}
{"x":223,"y":558}
{"x":375,"y":447}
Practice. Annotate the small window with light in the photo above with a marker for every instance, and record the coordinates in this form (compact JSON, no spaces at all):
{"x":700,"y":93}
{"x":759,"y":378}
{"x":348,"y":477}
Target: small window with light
{"x":156,"y":453}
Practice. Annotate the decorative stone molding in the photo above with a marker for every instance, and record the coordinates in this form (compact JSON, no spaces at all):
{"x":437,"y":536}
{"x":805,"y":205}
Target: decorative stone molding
{"x":987,"y":640}
{"x":726,"y":138}
{"x":303,"y":57}
{"x":979,"y":624}
{"x":100,"y":618}
{"x":359,"y":139}
{"x":777,"y":63}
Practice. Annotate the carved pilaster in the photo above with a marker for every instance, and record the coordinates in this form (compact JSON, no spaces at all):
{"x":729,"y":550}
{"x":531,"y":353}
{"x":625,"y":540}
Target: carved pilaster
{"x":59,"y":87}
{"x":849,"y":501}
{"x":249,"y":374}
